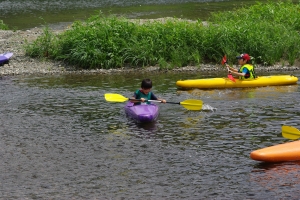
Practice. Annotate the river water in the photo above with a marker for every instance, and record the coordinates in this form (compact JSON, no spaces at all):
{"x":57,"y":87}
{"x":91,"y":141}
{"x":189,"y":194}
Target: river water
{"x":60,"y":139}
{"x":24,"y":14}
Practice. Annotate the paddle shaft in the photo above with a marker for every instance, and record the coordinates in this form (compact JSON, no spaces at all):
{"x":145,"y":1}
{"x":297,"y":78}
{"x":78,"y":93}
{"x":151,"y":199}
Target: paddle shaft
{"x":224,"y":62}
{"x":228,"y":69}
{"x":189,"y":104}
{"x":158,"y":101}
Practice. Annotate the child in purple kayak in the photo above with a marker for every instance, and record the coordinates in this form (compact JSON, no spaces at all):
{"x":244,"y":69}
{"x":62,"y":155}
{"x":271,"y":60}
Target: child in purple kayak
{"x":145,"y":94}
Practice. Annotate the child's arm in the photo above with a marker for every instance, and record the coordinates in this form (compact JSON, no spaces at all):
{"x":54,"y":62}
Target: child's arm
{"x":133,"y":100}
{"x":153,"y":97}
{"x":231,"y":68}
{"x":237,"y":73}
{"x":162,"y":100}
{"x":243,"y":73}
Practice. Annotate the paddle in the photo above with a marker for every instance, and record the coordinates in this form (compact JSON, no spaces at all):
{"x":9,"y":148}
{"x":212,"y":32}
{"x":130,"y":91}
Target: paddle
{"x":224,"y":61}
{"x":290,"y":132}
{"x":190,"y":104}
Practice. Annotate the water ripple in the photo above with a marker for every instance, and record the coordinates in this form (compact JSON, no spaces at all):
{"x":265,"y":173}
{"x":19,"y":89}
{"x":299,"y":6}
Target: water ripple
{"x":59,"y":139}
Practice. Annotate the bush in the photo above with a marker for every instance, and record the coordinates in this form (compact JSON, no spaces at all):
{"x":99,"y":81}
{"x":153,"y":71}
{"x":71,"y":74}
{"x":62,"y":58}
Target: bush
{"x":268,"y":32}
{"x":3,"y":26}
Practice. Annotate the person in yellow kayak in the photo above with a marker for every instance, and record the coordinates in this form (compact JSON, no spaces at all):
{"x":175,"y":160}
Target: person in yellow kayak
{"x":145,"y":94}
{"x":246,"y":70}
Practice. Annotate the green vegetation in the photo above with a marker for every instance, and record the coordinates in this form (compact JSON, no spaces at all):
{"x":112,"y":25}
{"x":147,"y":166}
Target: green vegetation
{"x":268,"y":32}
{"x":3,"y":26}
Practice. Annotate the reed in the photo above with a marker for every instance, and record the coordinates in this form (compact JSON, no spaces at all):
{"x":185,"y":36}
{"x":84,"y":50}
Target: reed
{"x":268,"y":32}
{"x":3,"y":26}
{"x":44,"y":46}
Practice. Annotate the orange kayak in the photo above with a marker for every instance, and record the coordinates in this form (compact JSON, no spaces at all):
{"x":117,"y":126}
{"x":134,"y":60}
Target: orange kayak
{"x":289,"y":151}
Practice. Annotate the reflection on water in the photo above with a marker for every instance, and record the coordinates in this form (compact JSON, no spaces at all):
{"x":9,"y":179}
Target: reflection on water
{"x":242,"y":93}
{"x":277,"y":177}
{"x":60,"y":139}
{"x":23,"y":14}
{"x":46,"y":5}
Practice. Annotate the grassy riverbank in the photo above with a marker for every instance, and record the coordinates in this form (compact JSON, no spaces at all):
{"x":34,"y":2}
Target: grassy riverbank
{"x":268,"y":32}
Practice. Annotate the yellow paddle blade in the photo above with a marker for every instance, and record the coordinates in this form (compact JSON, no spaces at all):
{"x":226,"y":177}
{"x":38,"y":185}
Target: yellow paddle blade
{"x":115,"y":97}
{"x":290,"y":132}
{"x":192,"y":104}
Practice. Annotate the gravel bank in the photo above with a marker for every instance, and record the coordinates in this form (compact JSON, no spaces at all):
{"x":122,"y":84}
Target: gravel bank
{"x":13,"y":41}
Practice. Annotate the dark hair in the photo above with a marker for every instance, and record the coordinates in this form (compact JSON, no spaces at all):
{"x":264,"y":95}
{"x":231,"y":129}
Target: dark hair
{"x":146,"y":84}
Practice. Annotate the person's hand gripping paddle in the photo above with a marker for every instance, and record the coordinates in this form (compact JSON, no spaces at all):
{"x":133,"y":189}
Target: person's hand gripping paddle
{"x":224,"y":61}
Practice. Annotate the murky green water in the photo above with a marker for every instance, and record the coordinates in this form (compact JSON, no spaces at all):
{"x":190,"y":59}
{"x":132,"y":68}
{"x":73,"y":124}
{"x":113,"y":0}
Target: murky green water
{"x":60,"y":139}
{"x":23,"y":14}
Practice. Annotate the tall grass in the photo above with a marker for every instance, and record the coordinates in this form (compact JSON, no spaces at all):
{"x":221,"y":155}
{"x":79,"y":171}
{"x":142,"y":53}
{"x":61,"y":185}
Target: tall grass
{"x":268,"y":32}
{"x":3,"y":26}
{"x":44,"y":46}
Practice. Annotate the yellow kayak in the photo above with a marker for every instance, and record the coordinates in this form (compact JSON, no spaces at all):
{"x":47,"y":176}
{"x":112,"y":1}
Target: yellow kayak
{"x":227,"y":83}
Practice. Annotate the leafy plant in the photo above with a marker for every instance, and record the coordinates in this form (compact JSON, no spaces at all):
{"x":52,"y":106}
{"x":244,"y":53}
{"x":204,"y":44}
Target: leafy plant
{"x":268,"y":32}
{"x":3,"y":26}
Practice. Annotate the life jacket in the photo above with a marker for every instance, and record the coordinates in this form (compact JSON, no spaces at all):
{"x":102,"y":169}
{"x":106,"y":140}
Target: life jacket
{"x":251,"y":74}
{"x":140,"y":95}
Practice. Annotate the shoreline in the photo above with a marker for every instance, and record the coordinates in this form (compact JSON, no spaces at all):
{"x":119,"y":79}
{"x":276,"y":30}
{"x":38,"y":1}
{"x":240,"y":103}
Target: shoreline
{"x":19,"y":64}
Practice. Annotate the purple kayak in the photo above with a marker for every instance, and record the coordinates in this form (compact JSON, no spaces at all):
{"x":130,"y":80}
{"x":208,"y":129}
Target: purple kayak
{"x":142,"y":113}
{"x":4,"y":58}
